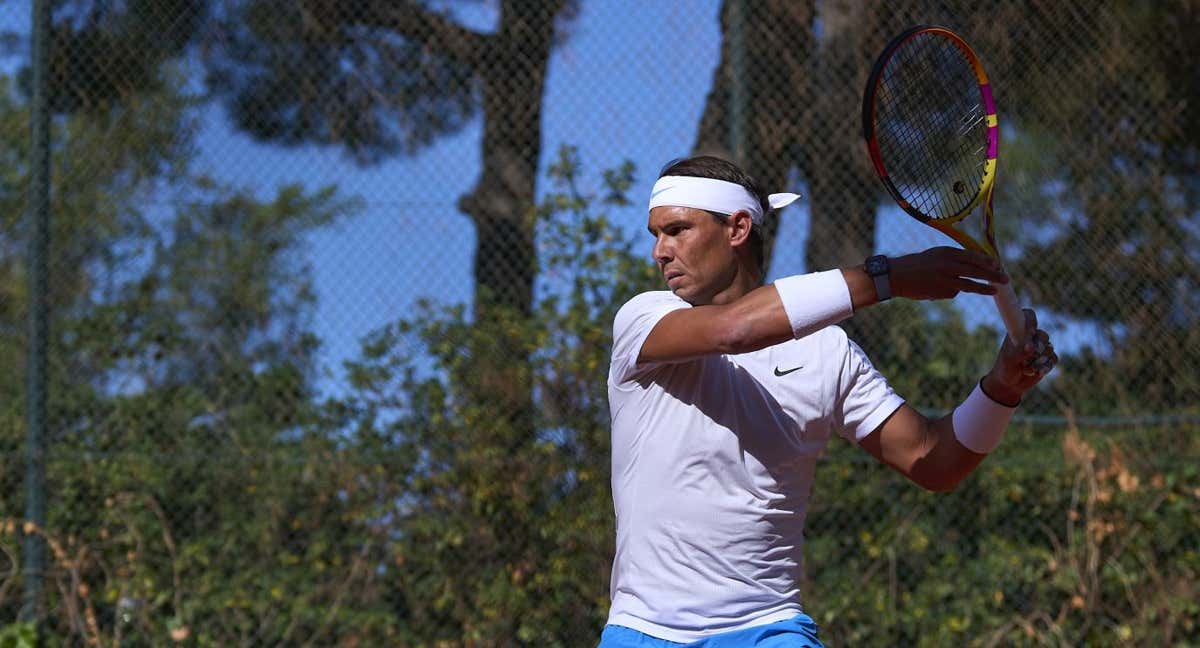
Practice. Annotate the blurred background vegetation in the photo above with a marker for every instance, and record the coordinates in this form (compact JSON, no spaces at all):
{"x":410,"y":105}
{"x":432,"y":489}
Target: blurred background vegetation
{"x":237,"y":186}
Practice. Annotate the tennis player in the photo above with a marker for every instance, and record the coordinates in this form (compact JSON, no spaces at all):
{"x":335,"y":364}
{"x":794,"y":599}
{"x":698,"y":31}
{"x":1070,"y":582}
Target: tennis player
{"x":723,"y":393}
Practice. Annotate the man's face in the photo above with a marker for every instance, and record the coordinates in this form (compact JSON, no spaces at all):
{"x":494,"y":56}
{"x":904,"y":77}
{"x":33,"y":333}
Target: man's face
{"x":693,"y":251}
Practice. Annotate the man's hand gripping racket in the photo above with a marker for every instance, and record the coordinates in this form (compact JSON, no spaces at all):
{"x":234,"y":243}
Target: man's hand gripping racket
{"x":929,"y":119}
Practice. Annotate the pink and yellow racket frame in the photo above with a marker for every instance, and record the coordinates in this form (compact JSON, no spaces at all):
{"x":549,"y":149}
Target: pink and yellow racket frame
{"x":987,"y":182}
{"x":1006,"y":299}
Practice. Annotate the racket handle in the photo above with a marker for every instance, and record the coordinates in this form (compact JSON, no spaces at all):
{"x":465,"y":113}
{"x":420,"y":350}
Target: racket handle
{"x":1010,"y":311}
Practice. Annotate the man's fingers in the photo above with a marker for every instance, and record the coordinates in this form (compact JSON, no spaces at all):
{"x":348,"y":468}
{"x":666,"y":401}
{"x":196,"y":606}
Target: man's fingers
{"x":1041,"y":357}
{"x":1041,"y":342}
{"x":978,"y":266}
{"x":968,"y":286}
{"x":1045,"y":364}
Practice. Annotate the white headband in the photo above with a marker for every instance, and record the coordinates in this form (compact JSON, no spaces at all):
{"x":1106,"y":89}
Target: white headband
{"x":713,"y":195}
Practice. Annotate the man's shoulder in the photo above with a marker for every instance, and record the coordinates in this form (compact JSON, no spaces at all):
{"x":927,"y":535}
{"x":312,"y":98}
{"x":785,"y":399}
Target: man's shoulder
{"x":654,"y":297}
{"x":652,"y":300}
{"x":633,"y":322}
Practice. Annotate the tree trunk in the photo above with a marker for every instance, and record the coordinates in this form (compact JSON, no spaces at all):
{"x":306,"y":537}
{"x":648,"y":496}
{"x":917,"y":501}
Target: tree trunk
{"x":844,"y":188}
{"x":502,"y":203}
{"x":845,"y":191}
{"x":771,"y":74}
{"x":803,"y":96}
{"x":802,"y":115}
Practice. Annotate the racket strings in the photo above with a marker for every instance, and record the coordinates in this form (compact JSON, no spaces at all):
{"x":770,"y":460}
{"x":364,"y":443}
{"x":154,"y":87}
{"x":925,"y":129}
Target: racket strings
{"x":938,"y":179}
{"x":930,"y":122}
{"x":931,"y":126}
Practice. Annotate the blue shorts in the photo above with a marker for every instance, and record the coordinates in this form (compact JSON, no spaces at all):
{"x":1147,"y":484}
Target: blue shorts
{"x":797,"y":632}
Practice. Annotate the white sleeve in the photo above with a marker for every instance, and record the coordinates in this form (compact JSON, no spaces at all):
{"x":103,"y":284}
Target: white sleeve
{"x":632,"y":326}
{"x":864,"y":398}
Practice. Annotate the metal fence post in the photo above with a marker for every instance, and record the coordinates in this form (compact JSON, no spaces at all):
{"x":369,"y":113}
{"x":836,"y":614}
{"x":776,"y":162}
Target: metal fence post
{"x":39,"y":240}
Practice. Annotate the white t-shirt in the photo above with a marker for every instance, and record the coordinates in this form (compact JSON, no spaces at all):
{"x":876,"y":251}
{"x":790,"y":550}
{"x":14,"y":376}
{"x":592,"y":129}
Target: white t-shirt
{"x":712,"y":463}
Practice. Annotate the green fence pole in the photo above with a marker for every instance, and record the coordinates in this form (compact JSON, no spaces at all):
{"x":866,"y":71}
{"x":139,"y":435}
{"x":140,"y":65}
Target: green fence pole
{"x":39,"y":242}
{"x":737,"y":81}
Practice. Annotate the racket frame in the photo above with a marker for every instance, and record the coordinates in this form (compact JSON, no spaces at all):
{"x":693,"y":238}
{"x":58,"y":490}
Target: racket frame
{"x":1006,"y":299}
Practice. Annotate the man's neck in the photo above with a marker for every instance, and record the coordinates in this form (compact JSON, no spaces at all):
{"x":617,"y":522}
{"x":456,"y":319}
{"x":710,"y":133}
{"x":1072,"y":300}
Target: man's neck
{"x":747,"y":278}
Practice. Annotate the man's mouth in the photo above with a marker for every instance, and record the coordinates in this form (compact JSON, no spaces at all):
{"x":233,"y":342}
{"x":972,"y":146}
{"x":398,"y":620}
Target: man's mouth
{"x":671,"y":274}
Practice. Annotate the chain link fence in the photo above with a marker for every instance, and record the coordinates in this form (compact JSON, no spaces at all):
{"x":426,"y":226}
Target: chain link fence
{"x":330,"y":288}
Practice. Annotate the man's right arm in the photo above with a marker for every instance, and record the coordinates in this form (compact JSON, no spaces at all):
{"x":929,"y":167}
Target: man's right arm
{"x":760,"y":318}
{"x":755,"y":321}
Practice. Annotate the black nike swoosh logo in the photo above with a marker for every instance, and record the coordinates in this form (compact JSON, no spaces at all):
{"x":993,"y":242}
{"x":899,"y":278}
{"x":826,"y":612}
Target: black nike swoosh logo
{"x":784,"y":373}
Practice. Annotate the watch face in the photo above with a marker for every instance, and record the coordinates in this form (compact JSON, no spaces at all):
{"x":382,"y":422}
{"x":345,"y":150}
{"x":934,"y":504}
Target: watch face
{"x":877,"y":265}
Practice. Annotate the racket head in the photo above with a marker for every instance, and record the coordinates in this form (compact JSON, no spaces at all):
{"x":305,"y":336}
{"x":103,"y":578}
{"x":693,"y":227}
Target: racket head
{"x":929,"y":120}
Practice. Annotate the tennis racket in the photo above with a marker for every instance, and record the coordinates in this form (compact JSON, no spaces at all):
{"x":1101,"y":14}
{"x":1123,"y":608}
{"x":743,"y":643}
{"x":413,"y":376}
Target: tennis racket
{"x":931,"y":129}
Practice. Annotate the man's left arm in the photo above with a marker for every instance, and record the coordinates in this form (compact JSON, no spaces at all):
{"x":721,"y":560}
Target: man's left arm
{"x":938,"y":454}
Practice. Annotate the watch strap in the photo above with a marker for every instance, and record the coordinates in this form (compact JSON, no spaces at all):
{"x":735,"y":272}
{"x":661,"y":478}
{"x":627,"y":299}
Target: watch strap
{"x":883,"y":287}
{"x":880,"y":272}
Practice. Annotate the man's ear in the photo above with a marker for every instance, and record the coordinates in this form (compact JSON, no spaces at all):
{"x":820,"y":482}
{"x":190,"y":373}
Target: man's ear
{"x":740,"y":224}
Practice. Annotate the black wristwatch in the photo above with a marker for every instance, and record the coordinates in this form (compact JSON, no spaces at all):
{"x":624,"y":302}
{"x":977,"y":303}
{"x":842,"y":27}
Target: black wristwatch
{"x":880,"y":271}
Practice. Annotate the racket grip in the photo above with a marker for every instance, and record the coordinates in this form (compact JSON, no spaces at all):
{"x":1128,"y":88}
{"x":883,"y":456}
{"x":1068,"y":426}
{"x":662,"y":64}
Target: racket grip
{"x":1010,"y":311}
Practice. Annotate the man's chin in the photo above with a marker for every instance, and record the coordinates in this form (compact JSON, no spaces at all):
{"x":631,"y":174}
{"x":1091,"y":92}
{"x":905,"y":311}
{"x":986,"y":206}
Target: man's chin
{"x":685,"y":294}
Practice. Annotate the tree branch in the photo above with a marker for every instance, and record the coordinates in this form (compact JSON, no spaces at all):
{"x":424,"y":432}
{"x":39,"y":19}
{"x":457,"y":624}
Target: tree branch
{"x":421,"y":25}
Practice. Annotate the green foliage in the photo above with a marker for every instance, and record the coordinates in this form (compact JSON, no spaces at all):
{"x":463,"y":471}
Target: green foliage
{"x":101,"y":56}
{"x":18,"y":635}
{"x":925,"y":349}
{"x":295,"y":74}
{"x":505,"y":531}
{"x":203,"y":382}
{"x":197,"y":491}
{"x":1066,"y":539}
{"x":1114,"y":238}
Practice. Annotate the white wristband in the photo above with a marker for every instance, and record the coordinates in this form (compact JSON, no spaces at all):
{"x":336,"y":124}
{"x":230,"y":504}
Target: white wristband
{"x":814,"y":301}
{"x":980,"y":421}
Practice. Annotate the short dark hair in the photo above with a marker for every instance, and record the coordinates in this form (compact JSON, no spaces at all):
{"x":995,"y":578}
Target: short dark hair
{"x":708,"y":166}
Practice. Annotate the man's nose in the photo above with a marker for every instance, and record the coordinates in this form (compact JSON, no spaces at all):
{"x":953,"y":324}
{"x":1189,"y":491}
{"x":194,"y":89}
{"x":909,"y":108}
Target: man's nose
{"x":663,"y":251}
